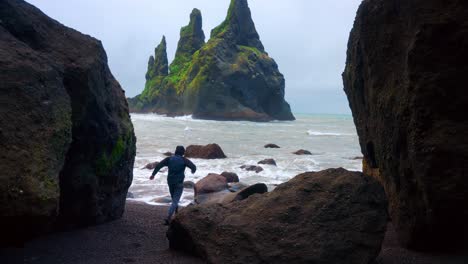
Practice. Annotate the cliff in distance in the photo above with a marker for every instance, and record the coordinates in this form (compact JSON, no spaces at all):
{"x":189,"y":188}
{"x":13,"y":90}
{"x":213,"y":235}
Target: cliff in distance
{"x":230,"y":77}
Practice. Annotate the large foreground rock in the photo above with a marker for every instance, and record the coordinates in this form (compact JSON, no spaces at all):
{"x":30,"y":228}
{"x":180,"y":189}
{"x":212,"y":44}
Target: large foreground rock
{"x":333,"y":216}
{"x":405,"y":78}
{"x":66,"y":140}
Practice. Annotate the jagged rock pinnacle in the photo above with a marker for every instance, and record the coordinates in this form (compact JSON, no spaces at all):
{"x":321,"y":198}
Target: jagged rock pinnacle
{"x":239,"y":26}
{"x":192,"y":37}
{"x":158,"y":65}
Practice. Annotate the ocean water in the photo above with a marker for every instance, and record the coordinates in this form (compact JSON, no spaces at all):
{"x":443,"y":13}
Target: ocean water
{"x":331,"y":138}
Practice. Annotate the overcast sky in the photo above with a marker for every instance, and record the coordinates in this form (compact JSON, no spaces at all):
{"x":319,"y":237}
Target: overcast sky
{"x":307,"y":38}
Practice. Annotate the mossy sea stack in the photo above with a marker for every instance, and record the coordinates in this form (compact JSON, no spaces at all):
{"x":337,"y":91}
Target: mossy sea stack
{"x":230,"y":77}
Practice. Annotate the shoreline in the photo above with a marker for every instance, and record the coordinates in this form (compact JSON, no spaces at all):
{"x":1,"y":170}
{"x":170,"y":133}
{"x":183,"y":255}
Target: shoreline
{"x":140,"y":237}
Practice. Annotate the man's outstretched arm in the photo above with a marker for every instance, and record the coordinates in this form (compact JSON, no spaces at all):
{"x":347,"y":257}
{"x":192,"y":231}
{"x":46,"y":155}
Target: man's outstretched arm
{"x":190,"y":164}
{"x":163,"y":163}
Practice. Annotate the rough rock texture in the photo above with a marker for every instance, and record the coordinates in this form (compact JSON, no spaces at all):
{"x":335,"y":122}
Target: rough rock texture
{"x":405,"y":79}
{"x":231,"y":77}
{"x":323,"y":217}
{"x":244,"y":193}
{"x":257,"y":169}
{"x":192,"y":38}
{"x":302,"y":152}
{"x":211,"y":183}
{"x":151,"y":166}
{"x":230,"y":176}
{"x":158,"y":70}
{"x":267,"y":162}
{"x":237,"y":186}
{"x":210,"y":151}
{"x":66,"y":140}
{"x":158,"y":65}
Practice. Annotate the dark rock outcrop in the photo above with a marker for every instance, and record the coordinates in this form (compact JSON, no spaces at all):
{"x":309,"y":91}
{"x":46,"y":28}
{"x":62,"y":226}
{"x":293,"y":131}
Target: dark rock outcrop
{"x":162,"y":200}
{"x":158,"y":70}
{"x":243,"y":193}
{"x":158,"y":65}
{"x":323,"y":217}
{"x":210,"y":151}
{"x":302,"y":152}
{"x":257,"y":169}
{"x":271,"y":146}
{"x":405,"y":79}
{"x":151,"y":166}
{"x":237,"y":186}
{"x":210,"y":184}
{"x":231,"y":77}
{"x":214,"y":188}
{"x":267,"y":162}
{"x":230,"y":176}
{"x":189,"y":185}
{"x":63,"y":112}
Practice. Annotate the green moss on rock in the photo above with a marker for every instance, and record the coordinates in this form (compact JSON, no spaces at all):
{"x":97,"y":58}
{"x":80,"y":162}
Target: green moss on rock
{"x":215,"y":77}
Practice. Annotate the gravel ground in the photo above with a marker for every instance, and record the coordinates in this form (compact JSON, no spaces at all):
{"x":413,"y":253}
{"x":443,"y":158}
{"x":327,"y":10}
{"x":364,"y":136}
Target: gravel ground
{"x":140,"y":237}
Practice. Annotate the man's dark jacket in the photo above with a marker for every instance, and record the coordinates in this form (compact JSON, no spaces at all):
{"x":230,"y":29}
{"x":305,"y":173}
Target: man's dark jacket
{"x":176,"y":165}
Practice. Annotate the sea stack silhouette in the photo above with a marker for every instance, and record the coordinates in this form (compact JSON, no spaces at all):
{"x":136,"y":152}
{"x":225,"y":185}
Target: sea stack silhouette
{"x":230,"y":77}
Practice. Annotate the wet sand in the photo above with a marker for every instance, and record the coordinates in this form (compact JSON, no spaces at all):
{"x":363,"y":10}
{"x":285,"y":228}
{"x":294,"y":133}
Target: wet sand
{"x":140,"y":237}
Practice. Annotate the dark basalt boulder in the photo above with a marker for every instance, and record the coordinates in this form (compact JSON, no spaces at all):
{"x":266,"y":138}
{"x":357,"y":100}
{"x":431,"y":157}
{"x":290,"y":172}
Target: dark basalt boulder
{"x":63,"y":112}
{"x":230,"y":77}
{"x":231,"y":177}
{"x":210,"y":151}
{"x":257,"y":169}
{"x":189,"y":185}
{"x":333,"y":216}
{"x":210,"y":189}
{"x":271,"y":146}
{"x":214,"y":188}
{"x":243,"y":193}
{"x":211,"y":183}
{"x":405,"y":79}
{"x":267,"y":162}
{"x":302,"y":152}
{"x":151,"y":166}
{"x":162,"y":200}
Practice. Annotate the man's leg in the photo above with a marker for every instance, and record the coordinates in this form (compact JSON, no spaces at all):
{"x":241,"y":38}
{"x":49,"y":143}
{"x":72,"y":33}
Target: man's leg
{"x":178,"y":189}
{"x":171,"y":190}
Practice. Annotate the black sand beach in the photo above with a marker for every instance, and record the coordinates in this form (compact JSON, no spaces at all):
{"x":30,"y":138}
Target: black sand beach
{"x":140,"y":237}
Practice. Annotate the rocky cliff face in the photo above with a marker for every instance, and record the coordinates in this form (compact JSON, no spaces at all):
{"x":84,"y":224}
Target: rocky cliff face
{"x":158,"y":70}
{"x":66,"y":137}
{"x":405,"y":80}
{"x":231,"y":77}
{"x":158,"y":65}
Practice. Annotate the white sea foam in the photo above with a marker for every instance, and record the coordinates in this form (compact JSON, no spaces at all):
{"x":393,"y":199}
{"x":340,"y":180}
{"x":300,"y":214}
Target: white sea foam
{"x":332,"y":137}
{"x":318,"y":133}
